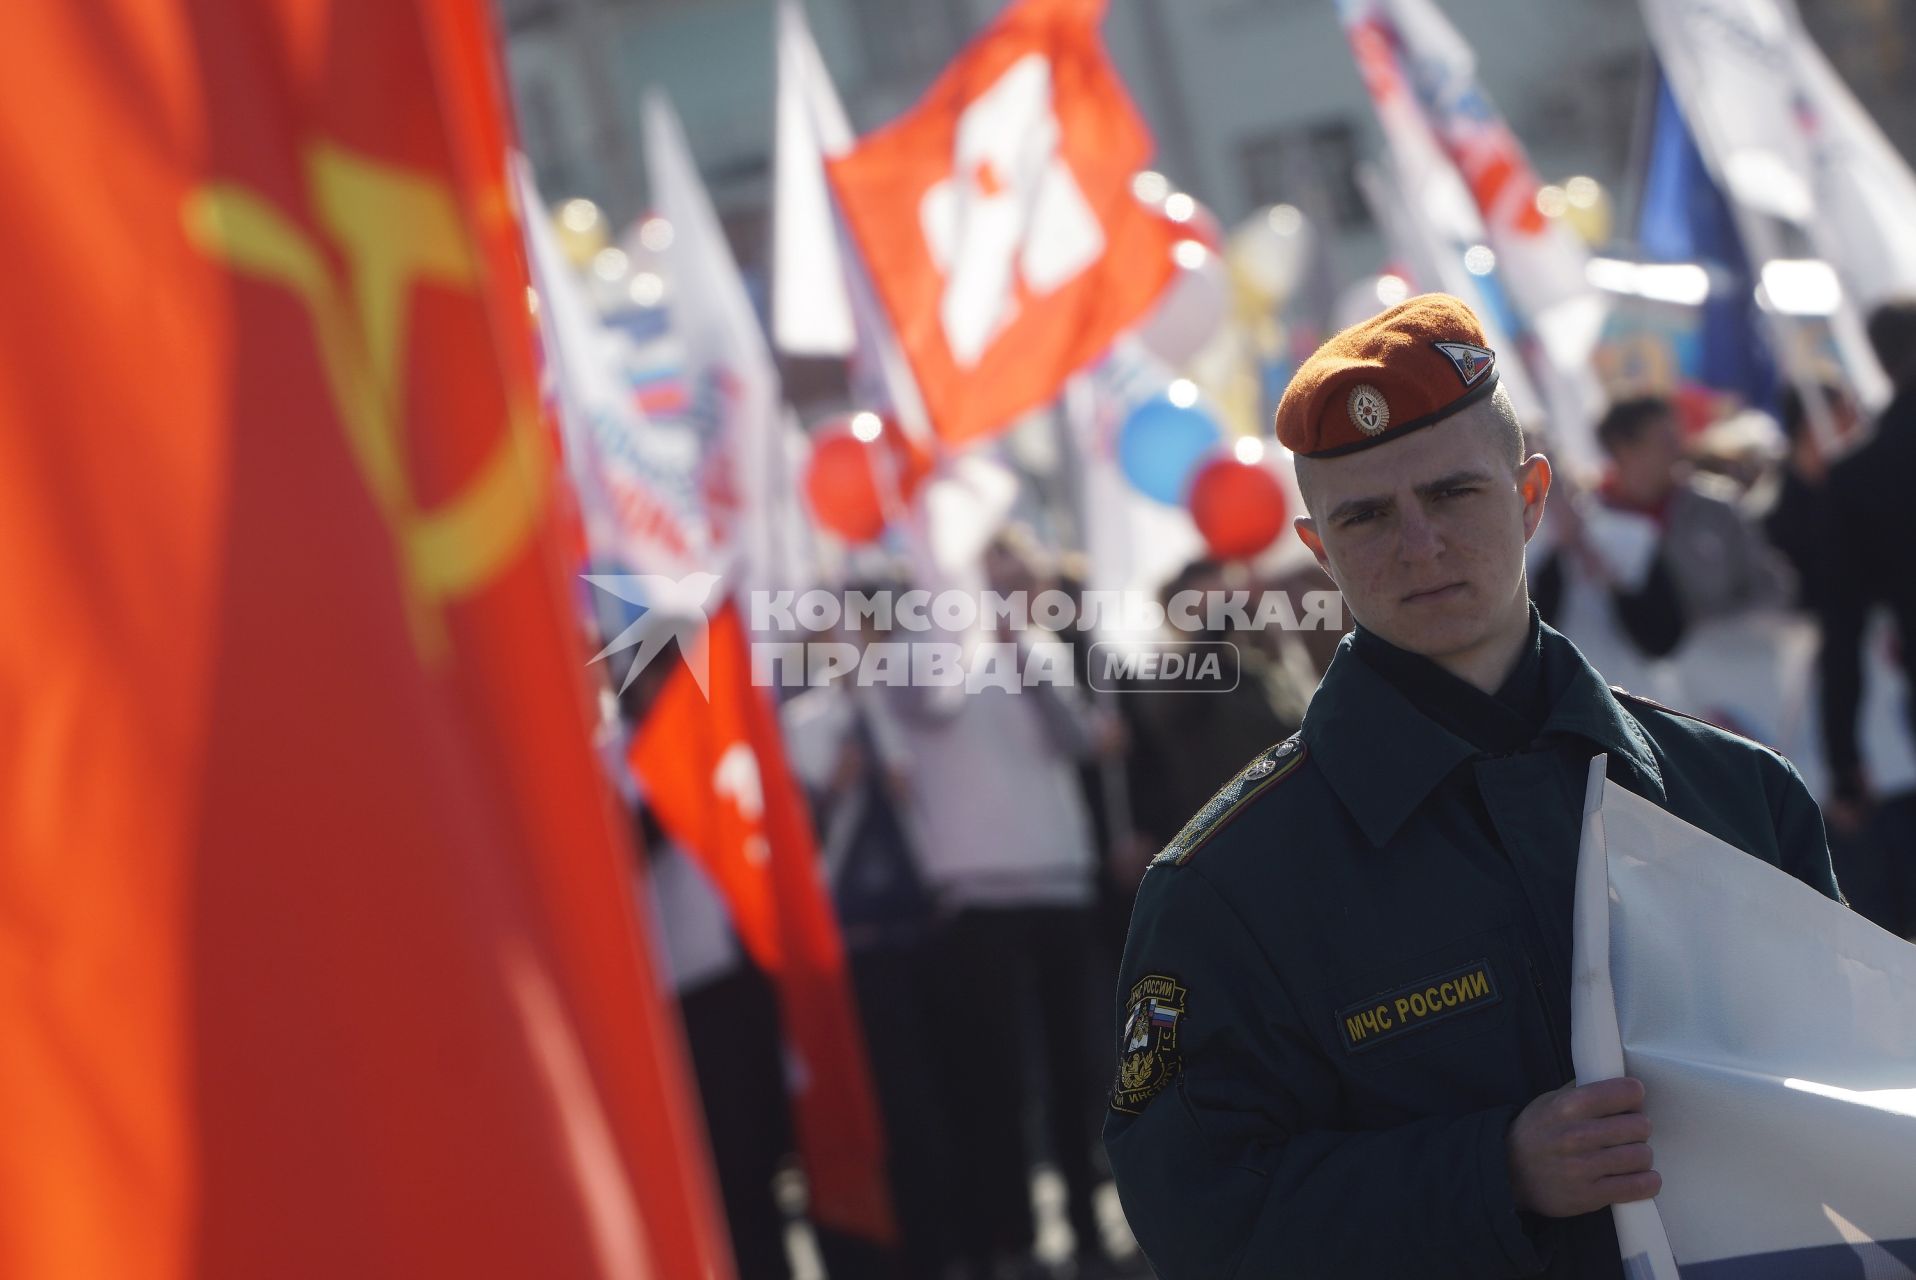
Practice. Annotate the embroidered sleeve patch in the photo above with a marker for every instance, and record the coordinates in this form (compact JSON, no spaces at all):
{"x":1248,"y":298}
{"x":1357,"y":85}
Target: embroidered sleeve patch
{"x":1371,"y":1022}
{"x":1148,"y":1056}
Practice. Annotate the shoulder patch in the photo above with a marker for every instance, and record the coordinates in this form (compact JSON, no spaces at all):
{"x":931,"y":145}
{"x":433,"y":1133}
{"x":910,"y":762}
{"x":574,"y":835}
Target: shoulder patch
{"x":1266,"y":771}
{"x":1148,"y":1057}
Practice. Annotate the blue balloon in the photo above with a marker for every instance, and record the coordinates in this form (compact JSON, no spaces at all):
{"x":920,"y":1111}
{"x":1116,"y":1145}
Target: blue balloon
{"x":1160,"y":446}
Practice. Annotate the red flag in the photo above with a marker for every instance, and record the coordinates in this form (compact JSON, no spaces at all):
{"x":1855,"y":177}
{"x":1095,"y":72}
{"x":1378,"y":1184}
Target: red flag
{"x":318,"y":954}
{"x":997,"y":219}
{"x":715,"y":774}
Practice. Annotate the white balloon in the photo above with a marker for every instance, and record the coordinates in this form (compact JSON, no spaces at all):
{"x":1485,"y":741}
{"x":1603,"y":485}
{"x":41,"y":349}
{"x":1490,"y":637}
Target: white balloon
{"x":1191,"y":310}
{"x":1269,"y":247}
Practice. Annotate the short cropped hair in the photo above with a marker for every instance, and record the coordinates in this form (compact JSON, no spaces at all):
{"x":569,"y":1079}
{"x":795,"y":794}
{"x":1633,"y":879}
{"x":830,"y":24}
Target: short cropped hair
{"x":1625,"y":421}
{"x":1508,"y":427}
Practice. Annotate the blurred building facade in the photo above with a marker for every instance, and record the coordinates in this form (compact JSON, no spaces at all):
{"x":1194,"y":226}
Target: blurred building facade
{"x":1251,"y":101}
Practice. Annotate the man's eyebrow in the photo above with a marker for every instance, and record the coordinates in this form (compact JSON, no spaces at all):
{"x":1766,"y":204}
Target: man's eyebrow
{"x":1351,"y":506}
{"x":1454,"y":480}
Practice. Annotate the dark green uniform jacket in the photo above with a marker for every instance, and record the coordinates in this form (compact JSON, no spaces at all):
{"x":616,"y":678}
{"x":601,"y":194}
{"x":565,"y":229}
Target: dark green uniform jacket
{"x":1350,"y":971}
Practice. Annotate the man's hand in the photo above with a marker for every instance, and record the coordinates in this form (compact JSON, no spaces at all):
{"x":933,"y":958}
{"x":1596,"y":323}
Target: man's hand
{"x":1577,"y":1149}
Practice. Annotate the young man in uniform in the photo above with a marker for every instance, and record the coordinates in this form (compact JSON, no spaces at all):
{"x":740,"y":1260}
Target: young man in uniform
{"x":1344,"y":1041}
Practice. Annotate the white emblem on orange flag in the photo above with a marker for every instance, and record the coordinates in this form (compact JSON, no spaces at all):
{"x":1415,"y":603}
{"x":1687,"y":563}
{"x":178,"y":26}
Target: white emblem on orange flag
{"x":1011,"y":213}
{"x":997,"y":223}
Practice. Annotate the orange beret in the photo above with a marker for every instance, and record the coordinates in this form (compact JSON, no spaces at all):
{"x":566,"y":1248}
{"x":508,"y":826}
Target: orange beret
{"x":1406,"y":368}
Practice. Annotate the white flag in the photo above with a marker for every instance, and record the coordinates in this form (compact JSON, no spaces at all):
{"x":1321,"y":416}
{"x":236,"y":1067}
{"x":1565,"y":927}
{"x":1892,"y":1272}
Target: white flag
{"x":729,"y":363}
{"x":1775,"y":1033}
{"x":1865,"y":190}
{"x":823,"y":303}
{"x":811,"y":310}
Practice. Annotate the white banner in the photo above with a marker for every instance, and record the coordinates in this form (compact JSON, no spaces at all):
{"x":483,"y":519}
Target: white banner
{"x":1775,"y":1034}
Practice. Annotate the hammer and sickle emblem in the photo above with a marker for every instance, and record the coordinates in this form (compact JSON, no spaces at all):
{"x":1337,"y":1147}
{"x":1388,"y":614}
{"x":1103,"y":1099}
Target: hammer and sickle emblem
{"x":394,"y":229}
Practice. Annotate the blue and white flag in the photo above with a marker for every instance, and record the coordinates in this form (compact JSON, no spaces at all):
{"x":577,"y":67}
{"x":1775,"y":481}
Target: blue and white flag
{"x":1775,"y":1034}
{"x":1801,"y":163}
{"x":1682,"y":216}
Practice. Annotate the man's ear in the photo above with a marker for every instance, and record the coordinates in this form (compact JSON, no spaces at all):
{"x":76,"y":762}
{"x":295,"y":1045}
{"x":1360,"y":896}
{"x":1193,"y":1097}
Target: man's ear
{"x":1307,"y":534}
{"x":1533,"y":486}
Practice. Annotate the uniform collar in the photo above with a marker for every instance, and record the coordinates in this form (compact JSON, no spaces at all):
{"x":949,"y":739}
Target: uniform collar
{"x":1587,"y":709}
{"x":1383,"y":757}
{"x":1508,"y":720}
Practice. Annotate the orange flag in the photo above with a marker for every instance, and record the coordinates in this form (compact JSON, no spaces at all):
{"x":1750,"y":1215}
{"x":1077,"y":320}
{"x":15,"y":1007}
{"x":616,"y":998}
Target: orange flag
{"x":997,"y":220}
{"x":715,"y":773}
{"x":318,"y":953}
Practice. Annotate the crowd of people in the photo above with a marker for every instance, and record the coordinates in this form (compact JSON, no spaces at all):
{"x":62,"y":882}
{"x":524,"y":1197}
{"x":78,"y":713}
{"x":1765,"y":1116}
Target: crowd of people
{"x":983,"y":849}
{"x":1746,"y":569}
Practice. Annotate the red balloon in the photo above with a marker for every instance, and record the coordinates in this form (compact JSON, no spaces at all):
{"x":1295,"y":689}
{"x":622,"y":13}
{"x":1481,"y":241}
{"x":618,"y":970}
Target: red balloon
{"x":1238,"y":507}
{"x":842,"y":481}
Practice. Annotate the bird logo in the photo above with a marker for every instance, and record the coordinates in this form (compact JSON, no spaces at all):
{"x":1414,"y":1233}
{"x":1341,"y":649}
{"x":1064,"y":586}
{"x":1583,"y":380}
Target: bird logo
{"x":670,"y":608}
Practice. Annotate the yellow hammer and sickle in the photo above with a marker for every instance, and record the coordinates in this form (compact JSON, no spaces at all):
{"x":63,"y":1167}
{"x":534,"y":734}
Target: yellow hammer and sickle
{"x":394,"y":229}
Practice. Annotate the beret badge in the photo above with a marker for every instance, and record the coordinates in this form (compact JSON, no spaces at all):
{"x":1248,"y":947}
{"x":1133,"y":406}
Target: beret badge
{"x":1370,"y":412}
